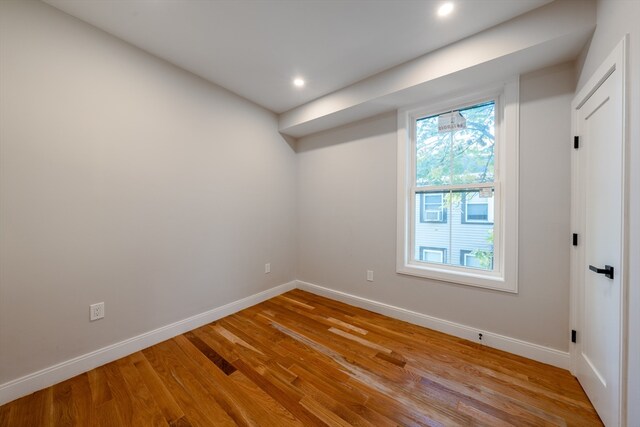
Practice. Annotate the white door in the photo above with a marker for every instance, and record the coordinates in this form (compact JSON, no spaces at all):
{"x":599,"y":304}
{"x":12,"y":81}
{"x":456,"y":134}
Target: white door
{"x":600,"y":127}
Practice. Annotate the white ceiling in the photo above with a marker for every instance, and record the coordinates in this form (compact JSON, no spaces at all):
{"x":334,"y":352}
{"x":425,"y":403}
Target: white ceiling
{"x":255,"y":48}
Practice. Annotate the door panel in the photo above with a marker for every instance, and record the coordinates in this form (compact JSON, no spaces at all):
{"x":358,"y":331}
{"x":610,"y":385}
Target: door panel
{"x":600,"y":126}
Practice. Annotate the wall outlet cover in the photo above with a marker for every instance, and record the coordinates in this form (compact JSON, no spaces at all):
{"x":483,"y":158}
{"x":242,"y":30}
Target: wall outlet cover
{"x":96,"y":311}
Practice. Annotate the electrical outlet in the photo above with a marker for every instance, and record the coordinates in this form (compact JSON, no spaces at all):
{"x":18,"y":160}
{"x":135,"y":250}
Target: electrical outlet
{"x":267,"y":268}
{"x":370,"y":275}
{"x":96,"y":311}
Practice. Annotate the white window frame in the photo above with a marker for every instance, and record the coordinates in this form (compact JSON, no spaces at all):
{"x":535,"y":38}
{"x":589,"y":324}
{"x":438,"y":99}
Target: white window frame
{"x":504,"y":275}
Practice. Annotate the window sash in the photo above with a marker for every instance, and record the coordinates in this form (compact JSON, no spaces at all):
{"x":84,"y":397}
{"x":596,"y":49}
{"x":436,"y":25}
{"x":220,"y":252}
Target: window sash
{"x":453,"y":187}
{"x":495,"y":184}
{"x":413,"y":259}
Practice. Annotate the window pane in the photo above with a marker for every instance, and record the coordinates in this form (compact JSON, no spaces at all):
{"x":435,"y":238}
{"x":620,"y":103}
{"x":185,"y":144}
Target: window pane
{"x":433,"y":156}
{"x":431,"y":227}
{"x":463,"y":156}
{"x":476,"y":208}
{"x":477,"y":212}
{"x":472,"y":230}
{"x":473,"y":147}
{"x":432,"y":255}
{"x":457,"y":236}
{"x":470,"y":260}
{"x":433,"y":199}
{"x":433,"y":208}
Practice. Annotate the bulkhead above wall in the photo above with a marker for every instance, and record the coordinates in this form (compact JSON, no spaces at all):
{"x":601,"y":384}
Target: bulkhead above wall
{"x":549,"y":35}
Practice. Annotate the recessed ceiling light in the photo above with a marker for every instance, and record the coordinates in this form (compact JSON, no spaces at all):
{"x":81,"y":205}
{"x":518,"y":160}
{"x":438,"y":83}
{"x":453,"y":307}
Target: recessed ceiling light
{"x":298,"y":82}
{"x":445,"y":9}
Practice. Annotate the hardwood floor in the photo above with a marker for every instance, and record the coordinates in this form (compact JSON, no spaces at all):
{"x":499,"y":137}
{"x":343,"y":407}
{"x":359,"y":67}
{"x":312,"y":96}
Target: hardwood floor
{"x":303,"y":360}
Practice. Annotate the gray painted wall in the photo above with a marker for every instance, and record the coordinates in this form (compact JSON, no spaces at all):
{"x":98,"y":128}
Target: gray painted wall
{"x":347,"y":220}
{"x":126,"y":180}
{"x":615,"y":18}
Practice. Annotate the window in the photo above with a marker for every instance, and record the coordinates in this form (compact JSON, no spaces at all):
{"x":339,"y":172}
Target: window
{"x":429,"y":254}
{"x":477,"y":208}
{"x":457,"y":181}
{"x":476,"y":259}
{"x":433,"y":209}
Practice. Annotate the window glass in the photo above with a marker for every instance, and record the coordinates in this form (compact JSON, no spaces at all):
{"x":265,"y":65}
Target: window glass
{"x":432,"y":154}
{"x":477,"y":212}
{"x":476,"y":259}
{"x":430,"y":233}
{"x":471,"y":261}
{"x":454,"y":154}
{"x":459,"y":234}
{"x":433,"y":208}
{"x":432,"y":255}
{"x":459,"y":156}
{"x":478,"y":208}
{"x":473,"y":147}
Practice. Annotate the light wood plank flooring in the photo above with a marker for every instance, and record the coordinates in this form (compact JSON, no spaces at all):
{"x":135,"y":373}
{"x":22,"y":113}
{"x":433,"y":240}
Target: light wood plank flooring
{"x":303,"y":360}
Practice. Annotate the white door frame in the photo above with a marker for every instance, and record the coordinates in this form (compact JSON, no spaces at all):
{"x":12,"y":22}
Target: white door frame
{"x":616,"y":61}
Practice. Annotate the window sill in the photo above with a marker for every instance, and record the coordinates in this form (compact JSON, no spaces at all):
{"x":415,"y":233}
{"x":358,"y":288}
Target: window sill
{"x":487,"y":280}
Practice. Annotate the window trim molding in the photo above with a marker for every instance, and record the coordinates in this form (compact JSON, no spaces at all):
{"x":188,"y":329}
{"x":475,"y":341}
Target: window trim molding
{"x":504,"y":277}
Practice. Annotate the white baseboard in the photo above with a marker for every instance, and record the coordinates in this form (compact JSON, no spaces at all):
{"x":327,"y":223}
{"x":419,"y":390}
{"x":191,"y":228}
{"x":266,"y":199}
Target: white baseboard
{"x":62,"y":371}
{"x":68,"y":369}
{"x":512,"y":345}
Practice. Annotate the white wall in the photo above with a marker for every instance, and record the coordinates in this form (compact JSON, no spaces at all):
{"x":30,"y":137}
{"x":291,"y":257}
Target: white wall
{"x":615,"y":18}
{"x":126,"y":180}
{"x":347,"y":220}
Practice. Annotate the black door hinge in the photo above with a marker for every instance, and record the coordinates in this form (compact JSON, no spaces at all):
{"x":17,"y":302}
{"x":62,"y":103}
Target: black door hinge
{"x":573,"y":335}
{"x":576,"y":142}
{"x":575,"y":239}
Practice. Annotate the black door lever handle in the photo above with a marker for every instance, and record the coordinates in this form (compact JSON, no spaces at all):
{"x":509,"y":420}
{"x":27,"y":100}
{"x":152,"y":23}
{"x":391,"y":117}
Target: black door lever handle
{"x":607,"y":270}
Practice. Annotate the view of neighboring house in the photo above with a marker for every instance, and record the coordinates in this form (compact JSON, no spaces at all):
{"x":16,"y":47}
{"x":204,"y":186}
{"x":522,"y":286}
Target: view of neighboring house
{"x":454,"y":229}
